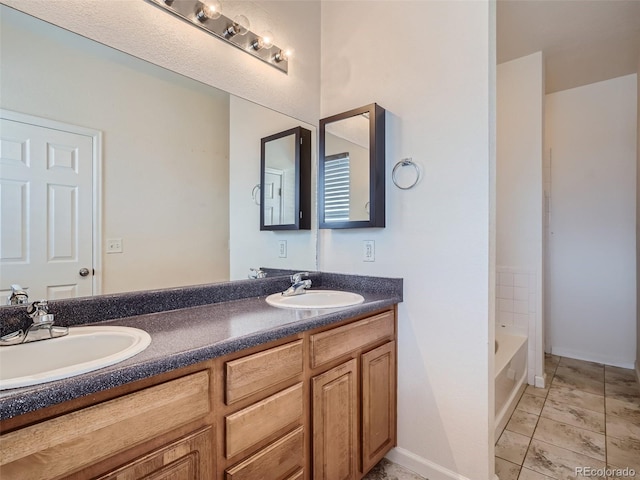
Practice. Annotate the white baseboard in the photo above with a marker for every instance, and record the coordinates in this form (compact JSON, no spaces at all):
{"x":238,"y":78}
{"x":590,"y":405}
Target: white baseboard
{"x":422,"y":466}
{"x":540,"y":381}
{"x":589,"y":357}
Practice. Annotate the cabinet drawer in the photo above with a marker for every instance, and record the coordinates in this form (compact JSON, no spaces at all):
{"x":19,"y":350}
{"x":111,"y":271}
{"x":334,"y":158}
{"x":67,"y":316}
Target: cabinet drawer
{"x":248,"y":375}
{"x":260,"y":420}
{"x":98,"y":432}
{"x":279,"y":459}
{"x":333,"y":344}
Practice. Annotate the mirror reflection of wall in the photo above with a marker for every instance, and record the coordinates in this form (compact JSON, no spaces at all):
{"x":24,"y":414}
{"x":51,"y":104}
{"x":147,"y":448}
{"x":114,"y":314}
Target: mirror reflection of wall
{"x":249,"y":246}
{"x":285,"y":180}
{"x":279,"y":188}
{"x":166,"y":142}
{"x":347,"y":154}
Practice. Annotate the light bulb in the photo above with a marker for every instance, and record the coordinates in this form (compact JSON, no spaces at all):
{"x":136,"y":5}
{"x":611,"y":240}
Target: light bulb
{"x":267,"y":39}
{"x":209,"y":9}
{"x":240,"y":26}
{"x":264,"y":41}
{"x":283,"y":55}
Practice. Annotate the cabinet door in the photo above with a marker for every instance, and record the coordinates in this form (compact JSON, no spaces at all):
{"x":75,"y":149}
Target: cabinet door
{"x":190,"y":458}
{"x":335,"y":425}
{"x":378,"y":404}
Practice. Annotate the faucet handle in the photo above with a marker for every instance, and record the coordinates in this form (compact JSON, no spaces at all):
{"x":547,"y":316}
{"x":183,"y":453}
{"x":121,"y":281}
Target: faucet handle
{"x":297,"y":277}
{"x":18,"y":295}
{"x":39,"y":307}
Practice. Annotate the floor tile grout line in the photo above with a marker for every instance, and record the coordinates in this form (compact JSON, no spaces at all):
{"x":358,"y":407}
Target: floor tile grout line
{"x":606,"y":436}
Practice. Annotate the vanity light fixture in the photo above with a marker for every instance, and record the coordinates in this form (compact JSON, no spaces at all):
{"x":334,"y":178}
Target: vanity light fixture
{"x":283,"y":55}
{"x":208,"y":9}
{"x":207,"y":15}
{"x":263,"y":41}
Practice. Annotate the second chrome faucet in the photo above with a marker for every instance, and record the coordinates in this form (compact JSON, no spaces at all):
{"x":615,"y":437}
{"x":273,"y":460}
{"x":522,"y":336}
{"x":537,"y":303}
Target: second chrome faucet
{"x":298,"y":285}
{"x":41,"y":328}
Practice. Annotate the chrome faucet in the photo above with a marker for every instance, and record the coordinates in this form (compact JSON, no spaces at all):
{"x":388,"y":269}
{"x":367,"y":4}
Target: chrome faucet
{"x":298,"y":286}
{"x":41,"y":328}
{"x":18,"y":296}
{"x":257,"y":273}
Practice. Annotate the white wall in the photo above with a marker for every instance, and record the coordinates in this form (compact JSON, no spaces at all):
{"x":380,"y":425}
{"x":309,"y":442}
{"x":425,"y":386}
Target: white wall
{"x":592,"y":279}
{"x":248,"y":246}
{"x":434,"y":76}
{"x":638,"y":228}
{"x":164,"y":155}
{"x":519,"y":216}
{"x":148,"y":32}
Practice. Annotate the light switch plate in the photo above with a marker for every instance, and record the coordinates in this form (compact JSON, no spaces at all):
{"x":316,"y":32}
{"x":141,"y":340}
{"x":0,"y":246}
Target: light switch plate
{"x":368,"y":251}
{"x":114,"y":245}
{"x":282,"y":248}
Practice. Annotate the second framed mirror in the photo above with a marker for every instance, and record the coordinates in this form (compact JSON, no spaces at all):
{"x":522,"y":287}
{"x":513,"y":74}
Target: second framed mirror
{"x":285,"y":180}
{"x":351,"y":179}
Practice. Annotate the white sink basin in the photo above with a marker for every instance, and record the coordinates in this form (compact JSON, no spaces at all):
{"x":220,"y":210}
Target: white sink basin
{"x":313,"y":299}
{"x":83,"y":350}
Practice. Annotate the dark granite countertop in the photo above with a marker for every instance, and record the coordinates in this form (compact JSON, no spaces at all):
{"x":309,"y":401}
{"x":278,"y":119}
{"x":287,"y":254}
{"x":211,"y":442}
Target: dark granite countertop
{"x":190,"y":334}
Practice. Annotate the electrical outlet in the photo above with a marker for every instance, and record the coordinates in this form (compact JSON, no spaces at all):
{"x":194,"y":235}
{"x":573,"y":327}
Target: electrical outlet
{"x":114,"y":245}
{"x":282,"y":248}
{"x":369,"y":251}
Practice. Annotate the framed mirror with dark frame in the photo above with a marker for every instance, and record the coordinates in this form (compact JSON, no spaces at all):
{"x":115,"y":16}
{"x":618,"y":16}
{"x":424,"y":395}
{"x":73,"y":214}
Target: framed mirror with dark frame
{"x":285,"y":180}
{"x":351,"y":177}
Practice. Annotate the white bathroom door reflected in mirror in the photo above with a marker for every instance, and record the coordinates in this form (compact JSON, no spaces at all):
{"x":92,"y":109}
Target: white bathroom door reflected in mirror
{"x":273,"y":198}
{"x":46,"y":212}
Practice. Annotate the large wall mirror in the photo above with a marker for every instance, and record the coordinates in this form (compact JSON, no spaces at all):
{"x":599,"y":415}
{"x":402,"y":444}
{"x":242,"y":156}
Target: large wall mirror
{"x":351,"y":189}
{"x":285,"y":180}
{"x":179,"y":160}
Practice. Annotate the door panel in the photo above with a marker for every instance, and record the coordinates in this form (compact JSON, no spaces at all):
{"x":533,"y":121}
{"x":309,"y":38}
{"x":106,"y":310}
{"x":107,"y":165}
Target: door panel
{"x":378,"y":404}
{"x":273,"y":197}
{"x":335,"y":429}
{"x":47,"y":209}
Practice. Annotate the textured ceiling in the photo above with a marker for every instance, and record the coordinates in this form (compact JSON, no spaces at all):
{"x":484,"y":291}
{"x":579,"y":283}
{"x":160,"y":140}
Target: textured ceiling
{"x":583,"y":41}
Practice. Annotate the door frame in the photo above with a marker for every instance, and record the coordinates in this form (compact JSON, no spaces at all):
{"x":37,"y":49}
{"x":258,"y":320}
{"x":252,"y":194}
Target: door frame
{"x":96,"y":184}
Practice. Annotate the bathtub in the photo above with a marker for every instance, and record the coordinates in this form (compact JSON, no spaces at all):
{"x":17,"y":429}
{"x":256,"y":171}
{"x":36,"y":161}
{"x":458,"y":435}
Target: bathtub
{"x":510,"y":375}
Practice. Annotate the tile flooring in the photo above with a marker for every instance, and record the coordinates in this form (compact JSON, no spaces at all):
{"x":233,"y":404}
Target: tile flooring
{"x":386,"y":470}
{"x":589,"y":418}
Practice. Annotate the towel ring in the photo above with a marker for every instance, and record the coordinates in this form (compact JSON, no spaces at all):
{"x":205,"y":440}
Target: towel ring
{"x":254,"y":194}
{"x":404,"y":163}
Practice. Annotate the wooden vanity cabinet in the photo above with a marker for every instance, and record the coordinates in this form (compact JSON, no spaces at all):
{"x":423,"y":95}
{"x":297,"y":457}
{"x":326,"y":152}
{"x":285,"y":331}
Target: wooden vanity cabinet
{"x":260,"y":408}
{"x":317,"y":405}
{"x":155,"y":431}
{"x":354,"y":402}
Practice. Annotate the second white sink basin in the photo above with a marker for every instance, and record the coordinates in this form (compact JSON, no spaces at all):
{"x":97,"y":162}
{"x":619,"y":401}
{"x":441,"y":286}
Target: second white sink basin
{"x":313,"y":299}
{"x":85,"y":349}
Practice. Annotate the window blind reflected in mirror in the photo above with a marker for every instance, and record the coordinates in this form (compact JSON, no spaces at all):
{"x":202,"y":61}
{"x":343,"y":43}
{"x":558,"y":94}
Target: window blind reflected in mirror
{"x":337,"y":173}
